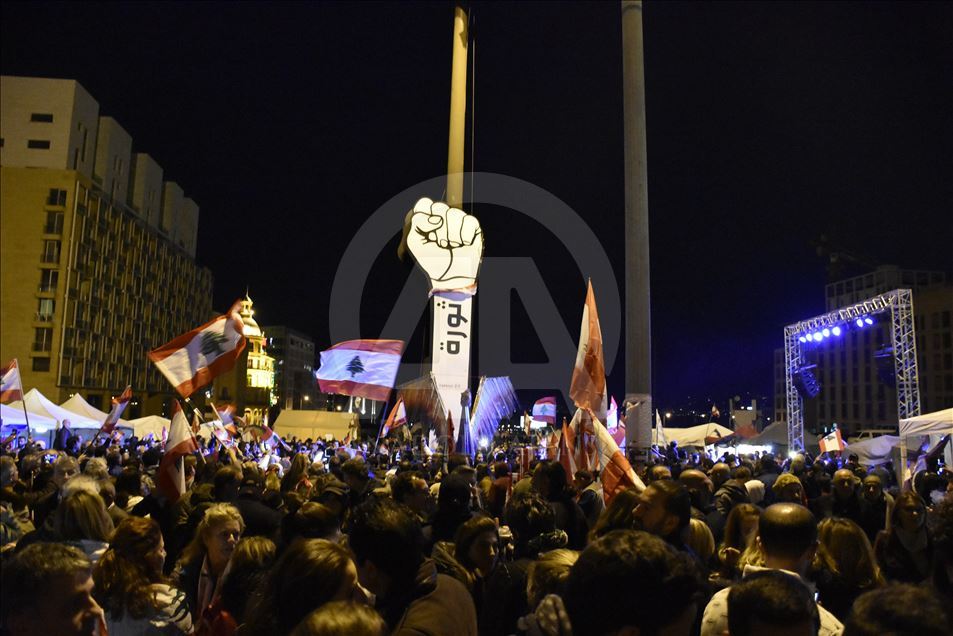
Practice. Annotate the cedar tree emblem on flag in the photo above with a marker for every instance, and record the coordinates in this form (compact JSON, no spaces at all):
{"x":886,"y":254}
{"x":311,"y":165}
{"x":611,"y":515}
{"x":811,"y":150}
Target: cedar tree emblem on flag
{"x":355,"y":366}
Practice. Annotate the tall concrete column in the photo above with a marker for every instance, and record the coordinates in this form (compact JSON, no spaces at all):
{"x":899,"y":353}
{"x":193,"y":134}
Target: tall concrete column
{"x":638,"y":327}
{"x":458,"y":109}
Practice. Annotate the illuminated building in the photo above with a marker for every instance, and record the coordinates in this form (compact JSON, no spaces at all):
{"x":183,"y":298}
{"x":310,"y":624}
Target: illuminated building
{"x":293,"y":351}
{"x":98,"y":252}
{"x":251,"y":382}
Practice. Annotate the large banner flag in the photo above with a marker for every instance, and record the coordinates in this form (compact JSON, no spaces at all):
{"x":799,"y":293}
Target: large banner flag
{"x":363,"y":368}
{"x":118,"y":406}
{"x":170,"y":479}
{"x":397,"y":417}
{"x":495,"y":399}
{"x":832,"y":442}
{"x":614,"y":469}
{"x":11,"y":388}
{"x":588,"y":387}
{"x":195,"y":358}
{"x":544,"y":410}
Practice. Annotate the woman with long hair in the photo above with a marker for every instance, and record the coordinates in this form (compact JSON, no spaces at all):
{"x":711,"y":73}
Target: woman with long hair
{"x":310,"y":573}
{"x":740,"y":528}
{"x":618,"y":516}
{"x":905,"y":549}
{"x":297,"y":476}
{"x":844,"y":565}
{"x":252,"y":559}
{"x":81,"y":520}
{"x":131,"y":588}
{"x":203,"y":561}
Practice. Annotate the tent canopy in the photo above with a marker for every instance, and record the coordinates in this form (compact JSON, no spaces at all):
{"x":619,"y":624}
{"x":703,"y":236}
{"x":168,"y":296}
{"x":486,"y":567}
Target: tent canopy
{"x":78,"y":404}
{"x":937,"y":423}
{"x":14,"y":417}
{"x":874,"y":451}
{"x":775,"y":433}
{"x":315,"y":424}
{"x":142,"y":426}
{"x":693,"y":435}
{"x":38,"y":403}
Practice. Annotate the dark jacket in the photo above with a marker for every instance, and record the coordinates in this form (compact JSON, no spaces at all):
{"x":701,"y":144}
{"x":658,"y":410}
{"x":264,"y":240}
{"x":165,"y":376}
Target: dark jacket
{"x":435,"y":605}
{"x":260,"y":520}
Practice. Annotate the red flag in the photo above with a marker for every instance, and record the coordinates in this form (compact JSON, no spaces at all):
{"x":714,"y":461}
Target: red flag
{"x":544,"y":410}
{"x":566,"y":452}
{"x":397,"y":417}
{"x":362,"y":368}
{"x":194,"y":359}
{"x":170,"y":479}
{"x":11,"y":388}
{"x":588,"y":387}
{"x":451,"y":438}
{"x":614,"y":469}
{"x":118,"y":406}
{"x":832,"y":442}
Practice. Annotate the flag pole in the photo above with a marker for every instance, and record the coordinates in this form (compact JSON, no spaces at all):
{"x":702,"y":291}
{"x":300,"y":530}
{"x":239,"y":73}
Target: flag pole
{"x":196,"y":411}
{"x":29,"y":431}
{"x":380,"y":426}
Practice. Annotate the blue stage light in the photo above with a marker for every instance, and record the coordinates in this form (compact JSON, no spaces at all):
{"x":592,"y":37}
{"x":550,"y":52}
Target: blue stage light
{"x":836,"y":331}
{"x":860,"y":322}
{"x":826,"y":332}
{"x":869,"y":320}
{"x":802,"y":339}
{"x":817,"y":336}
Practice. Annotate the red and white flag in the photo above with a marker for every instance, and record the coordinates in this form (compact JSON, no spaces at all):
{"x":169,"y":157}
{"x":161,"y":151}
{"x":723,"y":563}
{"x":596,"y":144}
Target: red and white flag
{"x":544,"y":410}
{"x":11,"y":388}
{"x":170,"y":479}
{"x":363,"y":368}
{"x":565,"y":453}
{"x":194,"y":359}
{"x":588,"y":387}
{"x":397,"y":417}
{"x":614,"y":469}
{"x":118,"y":406}
{"x":832,"y":442}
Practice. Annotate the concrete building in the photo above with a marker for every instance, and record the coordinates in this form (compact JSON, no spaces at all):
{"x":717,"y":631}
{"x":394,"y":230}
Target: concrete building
{"x":250,"y":384}
{"x":295,"y":384}
{"x":89,"y":280}
{"x":855,"y":371}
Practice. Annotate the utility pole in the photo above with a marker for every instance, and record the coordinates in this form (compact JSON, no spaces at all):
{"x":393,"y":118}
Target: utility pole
{"x":638,"y":327}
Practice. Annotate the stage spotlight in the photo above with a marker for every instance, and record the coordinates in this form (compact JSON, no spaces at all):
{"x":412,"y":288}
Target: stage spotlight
{"x":817,"y":336}
{"x":869,"y":320}
{"x":836,"y":331}
{"x":860,"y":322}
{"x":826,"y":332}
{"x":802,"y":339}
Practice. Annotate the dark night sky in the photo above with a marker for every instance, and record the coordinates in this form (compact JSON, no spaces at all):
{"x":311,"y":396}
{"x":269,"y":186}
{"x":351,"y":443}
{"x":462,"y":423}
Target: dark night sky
{"x":768,"y":125}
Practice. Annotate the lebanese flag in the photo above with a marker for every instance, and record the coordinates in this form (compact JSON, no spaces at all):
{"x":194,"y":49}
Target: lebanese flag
{"x":614,"y":469}
{"x":451,"y":435}
{"x":11,"y":388}
{"x":118,"y":406}
{"x":588,"y":387}
{"x":195,"y":358}
{"x":566,"y":452}
{"x":832,"y":442}
{"x":544,"y":410}
{"x":362,"y":368}
{"x":170,"y":479}
{"x":397,"y":417}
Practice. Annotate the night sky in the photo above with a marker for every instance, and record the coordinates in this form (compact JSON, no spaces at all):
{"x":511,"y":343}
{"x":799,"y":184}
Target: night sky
{"x":769,"y":125}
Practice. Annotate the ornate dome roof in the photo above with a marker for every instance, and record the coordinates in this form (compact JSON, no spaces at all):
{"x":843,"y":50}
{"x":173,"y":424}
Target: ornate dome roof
{"x":251,"y":327}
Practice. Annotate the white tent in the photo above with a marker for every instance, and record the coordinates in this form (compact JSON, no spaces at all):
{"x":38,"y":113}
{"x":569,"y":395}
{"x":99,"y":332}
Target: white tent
{"x":775,"y":433}
{"x":154,"y":424}
{"x":874,"y":451}
{"x":937,"y":423}
{"x":38,"y":403}
{"x":14,"y":417}
{"x":693,"y":435}
{"x":78,"y":404}
{"x":315,"y":424}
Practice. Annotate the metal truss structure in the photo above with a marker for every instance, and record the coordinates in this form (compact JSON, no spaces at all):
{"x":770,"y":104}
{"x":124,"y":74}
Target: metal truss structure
{"x":899,"y":303}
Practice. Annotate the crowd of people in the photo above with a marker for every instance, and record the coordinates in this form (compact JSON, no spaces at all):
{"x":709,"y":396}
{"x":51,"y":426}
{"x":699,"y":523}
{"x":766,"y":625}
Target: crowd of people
{"x":357,"y":543}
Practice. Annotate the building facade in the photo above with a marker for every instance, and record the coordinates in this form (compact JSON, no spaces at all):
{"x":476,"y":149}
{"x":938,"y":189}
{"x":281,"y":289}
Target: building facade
{"x":855,"y":371}
{"x":250,"y":384}
{"x":295,"y":384}
{"x":98,"y":260}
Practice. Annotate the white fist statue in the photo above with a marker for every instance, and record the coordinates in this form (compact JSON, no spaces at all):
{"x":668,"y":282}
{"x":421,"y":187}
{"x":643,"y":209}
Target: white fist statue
{"x":447,"y":243}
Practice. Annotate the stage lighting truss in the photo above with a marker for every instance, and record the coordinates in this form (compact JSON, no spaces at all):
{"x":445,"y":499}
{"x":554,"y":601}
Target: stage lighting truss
{"x":899,"y":303}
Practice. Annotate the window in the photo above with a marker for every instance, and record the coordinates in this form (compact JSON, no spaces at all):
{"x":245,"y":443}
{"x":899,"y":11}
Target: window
{"x":38,"y":144}
{"x":41,"y":364}
{"x":46,"y":118}
{"x":48,"y":280}
{"x":44,"y":309}
{"x":56,"y":197}
{"x":54,"y":222}
{"x":43,"y":341}
{"x":51,"y":252}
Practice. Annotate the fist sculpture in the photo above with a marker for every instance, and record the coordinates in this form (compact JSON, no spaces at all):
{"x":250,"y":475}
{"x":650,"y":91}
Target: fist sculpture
{"x":447,"y":243}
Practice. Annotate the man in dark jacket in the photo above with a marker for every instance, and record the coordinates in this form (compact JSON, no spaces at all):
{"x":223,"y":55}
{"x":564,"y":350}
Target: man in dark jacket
{"x":412,"y":597}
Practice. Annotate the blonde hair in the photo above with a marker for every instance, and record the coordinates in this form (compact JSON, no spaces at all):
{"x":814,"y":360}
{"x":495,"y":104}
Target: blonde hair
{"x":82,"y":515}
{"x":216,"y":516}
{"x":844,"y":549}
{"x":549,"y":574}
{"x":700,"y":539}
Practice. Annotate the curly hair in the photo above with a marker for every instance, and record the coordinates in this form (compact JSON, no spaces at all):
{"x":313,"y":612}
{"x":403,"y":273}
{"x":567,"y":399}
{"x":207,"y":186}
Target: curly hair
{"x":124,"y":575}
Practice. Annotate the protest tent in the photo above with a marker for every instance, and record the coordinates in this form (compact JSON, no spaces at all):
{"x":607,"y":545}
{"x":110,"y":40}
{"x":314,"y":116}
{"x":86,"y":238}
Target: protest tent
{"x":316,"y":424}
{"x":77,"y":404}
{"x":15,"y":417}
{"x":39,"y":404}
{"x":142,"y":426}
{"x":694,"y":436}
{"x":775,"y":434}
{"x":936,"y":423}
{"x":874,"y":451}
